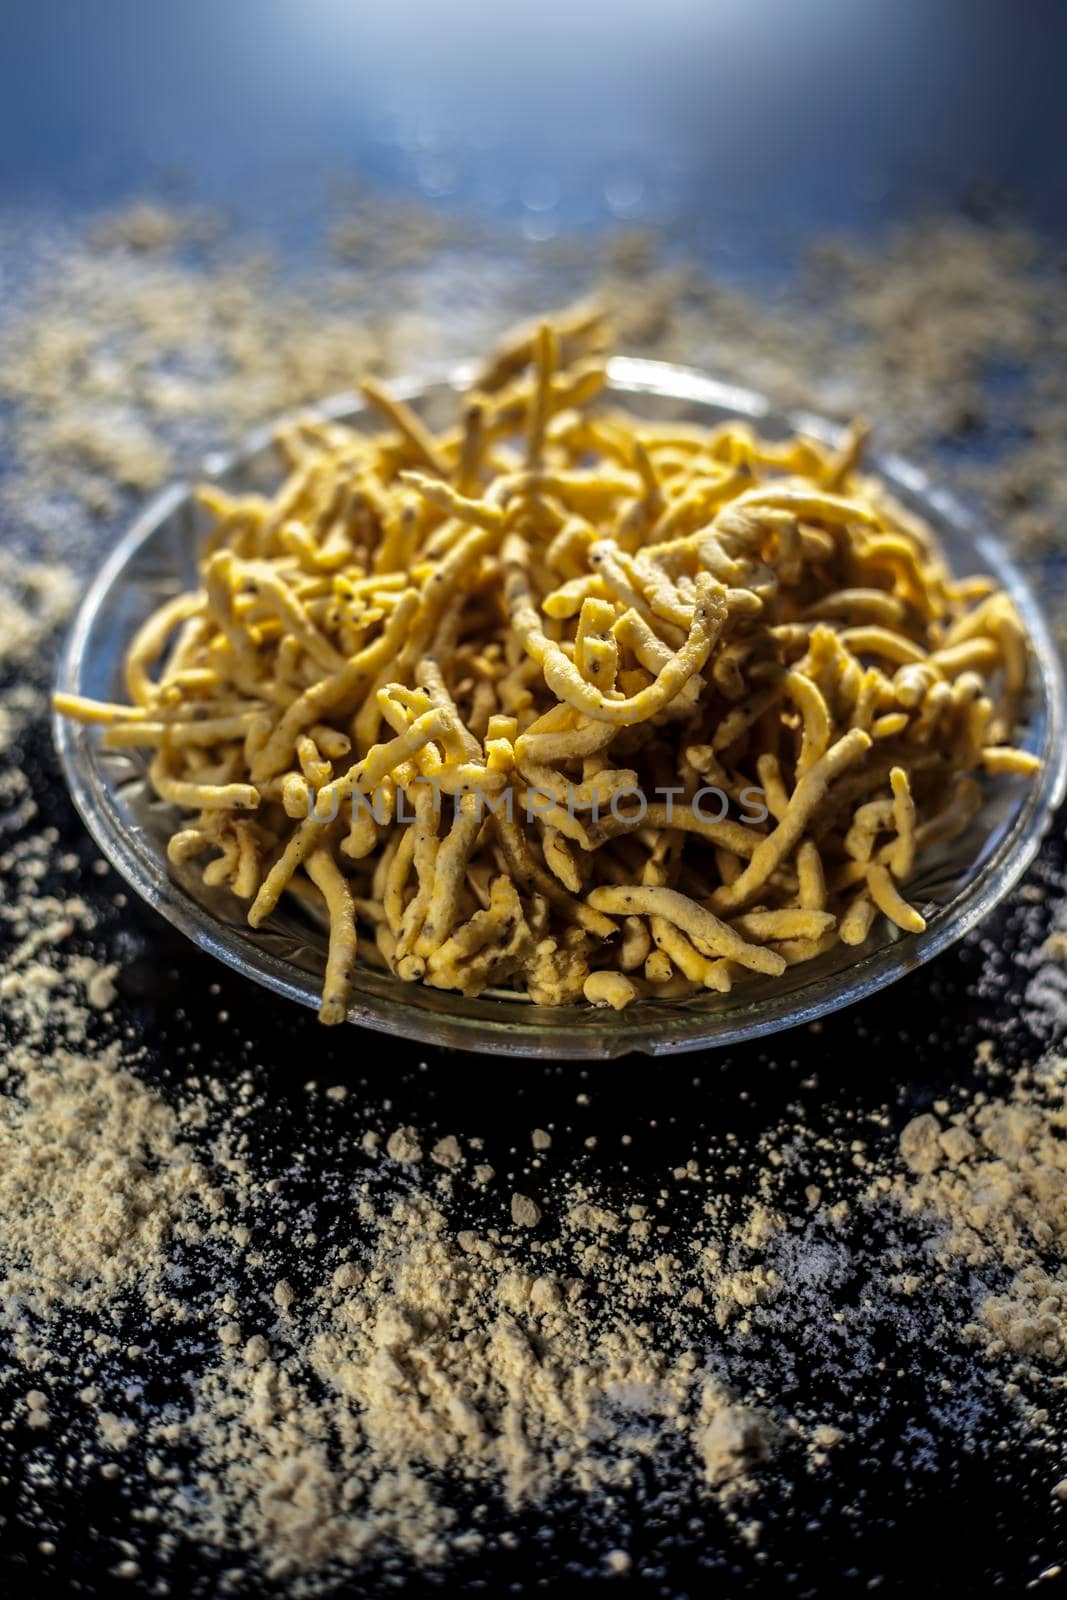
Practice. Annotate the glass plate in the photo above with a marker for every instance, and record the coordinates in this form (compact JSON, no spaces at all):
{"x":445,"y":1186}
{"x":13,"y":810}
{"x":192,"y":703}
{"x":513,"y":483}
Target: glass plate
{"x":956,"y":887}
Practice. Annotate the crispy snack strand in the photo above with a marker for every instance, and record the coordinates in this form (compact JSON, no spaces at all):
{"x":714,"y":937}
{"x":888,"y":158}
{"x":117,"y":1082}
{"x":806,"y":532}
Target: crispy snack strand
{"x":569,"y":702}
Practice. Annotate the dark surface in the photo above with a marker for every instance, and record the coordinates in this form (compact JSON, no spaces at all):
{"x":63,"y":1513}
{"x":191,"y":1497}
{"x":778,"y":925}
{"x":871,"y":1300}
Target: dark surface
{"x":744,"y":127}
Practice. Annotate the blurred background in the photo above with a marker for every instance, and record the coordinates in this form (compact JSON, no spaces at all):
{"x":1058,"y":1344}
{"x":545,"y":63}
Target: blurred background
{"x":740,"y":124}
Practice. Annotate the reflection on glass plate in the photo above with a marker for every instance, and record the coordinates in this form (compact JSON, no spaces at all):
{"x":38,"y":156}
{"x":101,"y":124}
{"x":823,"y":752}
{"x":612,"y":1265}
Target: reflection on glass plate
{"x":955,"y":888}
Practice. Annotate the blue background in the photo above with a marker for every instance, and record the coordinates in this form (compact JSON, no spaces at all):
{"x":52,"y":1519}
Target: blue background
{"x":742,"y":124}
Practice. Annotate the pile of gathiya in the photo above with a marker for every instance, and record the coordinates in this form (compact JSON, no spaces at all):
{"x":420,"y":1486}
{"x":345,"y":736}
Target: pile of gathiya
{"x":569,"y":702}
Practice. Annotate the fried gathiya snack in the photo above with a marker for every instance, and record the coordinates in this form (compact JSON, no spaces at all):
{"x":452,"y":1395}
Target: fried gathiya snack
{"x":566,"y":701}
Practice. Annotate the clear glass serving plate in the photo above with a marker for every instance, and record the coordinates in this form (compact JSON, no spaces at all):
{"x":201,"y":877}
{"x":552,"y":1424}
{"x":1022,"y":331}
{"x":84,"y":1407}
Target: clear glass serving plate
{"x":956,"y":887}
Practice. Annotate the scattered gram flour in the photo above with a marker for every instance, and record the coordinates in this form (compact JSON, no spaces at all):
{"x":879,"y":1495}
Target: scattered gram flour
{"x":995,"y":1172}
{"x":352,"y":1398}
{"x":388,"y":1375}
{"x":369,"y":1340}
{"x":36,"y":598}
{"x":445,"y":1353}
{"x":323,"y":1422}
